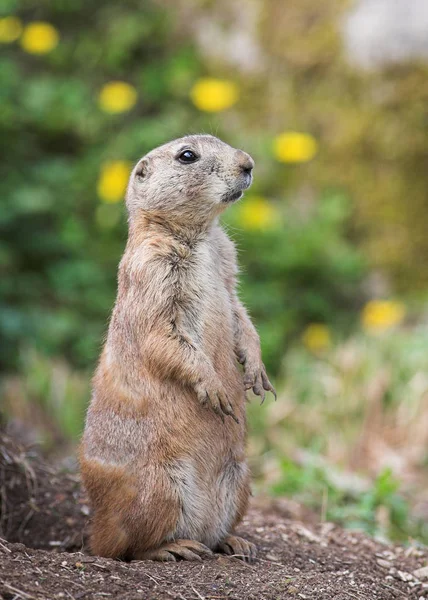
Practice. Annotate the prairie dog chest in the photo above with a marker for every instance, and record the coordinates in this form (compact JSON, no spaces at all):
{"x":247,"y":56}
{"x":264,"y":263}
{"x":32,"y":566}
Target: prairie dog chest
{"x":202,"y":291}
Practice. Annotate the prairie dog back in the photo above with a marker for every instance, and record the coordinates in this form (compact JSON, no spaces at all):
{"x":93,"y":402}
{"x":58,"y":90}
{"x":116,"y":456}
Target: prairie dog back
{"x":163,"y":452}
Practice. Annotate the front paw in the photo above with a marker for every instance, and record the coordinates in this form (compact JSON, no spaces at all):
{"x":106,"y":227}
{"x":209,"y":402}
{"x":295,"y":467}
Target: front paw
{"x":255,"y":378}
{"x":211,"y":393}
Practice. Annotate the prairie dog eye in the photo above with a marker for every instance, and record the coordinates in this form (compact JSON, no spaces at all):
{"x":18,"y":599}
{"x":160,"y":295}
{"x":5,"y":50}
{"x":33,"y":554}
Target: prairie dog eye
{"x":187,"y":156}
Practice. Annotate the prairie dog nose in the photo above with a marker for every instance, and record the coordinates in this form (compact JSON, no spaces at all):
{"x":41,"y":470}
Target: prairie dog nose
{"x":245,"y":161}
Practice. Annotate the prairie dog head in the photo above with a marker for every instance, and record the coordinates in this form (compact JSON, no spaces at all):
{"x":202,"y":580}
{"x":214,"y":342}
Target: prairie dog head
{"x":189,"y":180}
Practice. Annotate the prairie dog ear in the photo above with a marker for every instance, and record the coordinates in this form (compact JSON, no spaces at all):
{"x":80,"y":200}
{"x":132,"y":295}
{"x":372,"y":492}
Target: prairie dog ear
{"x":142,"y":169}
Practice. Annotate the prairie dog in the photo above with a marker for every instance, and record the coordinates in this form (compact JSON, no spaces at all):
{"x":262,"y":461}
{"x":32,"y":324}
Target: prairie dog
{"x":163,"y":452}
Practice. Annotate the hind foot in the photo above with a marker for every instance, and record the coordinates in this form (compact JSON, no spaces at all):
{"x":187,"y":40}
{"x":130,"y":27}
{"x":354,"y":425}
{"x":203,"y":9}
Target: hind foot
{"x":238,"y":547}
{"x":179,"y":549}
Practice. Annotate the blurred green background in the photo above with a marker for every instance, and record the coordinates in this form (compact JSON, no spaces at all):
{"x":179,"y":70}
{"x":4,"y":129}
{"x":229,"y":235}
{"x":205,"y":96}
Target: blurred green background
{"x":331,"y":237}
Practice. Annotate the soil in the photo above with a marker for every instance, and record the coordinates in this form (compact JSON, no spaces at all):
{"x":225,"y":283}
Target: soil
{"x":44,"y":516}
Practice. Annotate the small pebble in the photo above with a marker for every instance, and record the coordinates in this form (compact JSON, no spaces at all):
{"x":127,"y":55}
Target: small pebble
{"x":386,"y":564}
{"x":421,"y":573}
{"x":273,"y":557}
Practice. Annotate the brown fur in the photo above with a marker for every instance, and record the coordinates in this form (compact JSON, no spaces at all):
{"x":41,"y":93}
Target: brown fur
{"x":163,"y":453}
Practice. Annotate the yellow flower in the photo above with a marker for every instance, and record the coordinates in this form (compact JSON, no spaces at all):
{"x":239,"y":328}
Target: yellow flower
{"x":39,"y":38}
{"x":10,"y":29}
{"x":113,"y":180}
{"x":316,"y":337}
{"x":214,"y":95}
{"x":257,"y":214}
{"x":117,"y":97}
{"x":380,"y":315}
{"x":294,"y":147}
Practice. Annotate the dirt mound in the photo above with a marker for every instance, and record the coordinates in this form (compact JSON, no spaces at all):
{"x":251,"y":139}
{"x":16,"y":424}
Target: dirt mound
{"x":41,"y":506}
{"x":298,"y":558}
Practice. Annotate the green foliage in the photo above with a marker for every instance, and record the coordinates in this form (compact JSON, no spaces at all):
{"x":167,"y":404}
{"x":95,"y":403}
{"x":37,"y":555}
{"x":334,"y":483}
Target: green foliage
{"x":347,"y":435}
{"x":380,"y":510}
{"x":50,"y":398}
{"x":371,"y":128}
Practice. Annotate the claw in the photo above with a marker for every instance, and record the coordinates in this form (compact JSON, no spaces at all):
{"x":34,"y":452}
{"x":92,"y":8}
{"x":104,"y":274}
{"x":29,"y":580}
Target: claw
{"x":267,"y":384}
{"x":232,"y":414}
{"x":218,"y":412}
{"x":179,"y":549}
{"x":235,"y":546}
{"x":228,"y":410}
